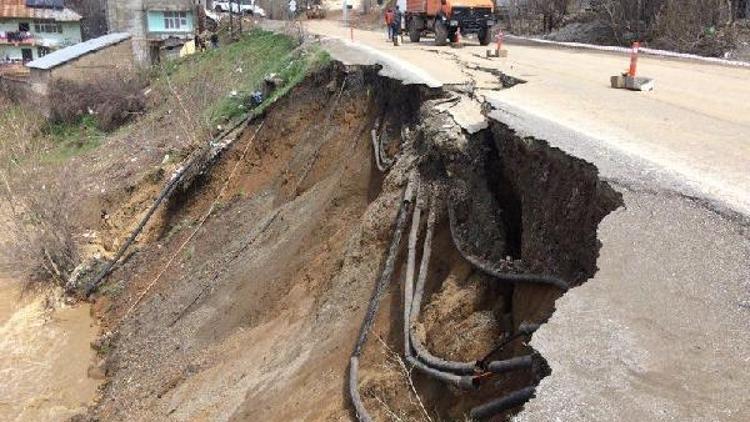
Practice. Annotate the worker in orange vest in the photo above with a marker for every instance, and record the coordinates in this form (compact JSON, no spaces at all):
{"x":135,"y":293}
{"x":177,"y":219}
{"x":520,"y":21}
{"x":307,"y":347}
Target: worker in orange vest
{"x":389,"y":23}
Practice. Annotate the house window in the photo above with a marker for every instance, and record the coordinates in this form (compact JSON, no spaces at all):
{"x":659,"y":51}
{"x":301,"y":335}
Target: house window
{"x":27,"y":55}
{"x":23,"y":27}
{"x":175,"y":20}
{"x":48,"y":27}
{"x":43,"y":51}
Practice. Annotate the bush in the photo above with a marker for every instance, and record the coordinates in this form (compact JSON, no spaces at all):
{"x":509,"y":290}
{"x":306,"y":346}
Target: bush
{"x":35,"y":203}
{"x":113,"y":100}
{"x":700,"y":26}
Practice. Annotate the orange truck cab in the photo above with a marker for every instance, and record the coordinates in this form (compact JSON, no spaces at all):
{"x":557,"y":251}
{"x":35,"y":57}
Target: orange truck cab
{"x":468,"y":16}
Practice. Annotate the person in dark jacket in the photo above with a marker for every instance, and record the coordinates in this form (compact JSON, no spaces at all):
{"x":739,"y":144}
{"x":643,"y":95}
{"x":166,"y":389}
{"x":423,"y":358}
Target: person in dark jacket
{"x":398,"y":17}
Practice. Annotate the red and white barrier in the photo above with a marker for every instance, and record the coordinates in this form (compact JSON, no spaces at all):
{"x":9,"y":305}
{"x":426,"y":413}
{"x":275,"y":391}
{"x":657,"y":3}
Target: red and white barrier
{"x":499,"y":38}
{"x":499,"y":52}
{"x":630,"y":80}
{"x":642,"y":50}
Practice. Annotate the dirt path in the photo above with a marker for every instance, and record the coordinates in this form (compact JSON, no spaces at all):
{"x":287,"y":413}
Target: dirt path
{"x":695,"y":124}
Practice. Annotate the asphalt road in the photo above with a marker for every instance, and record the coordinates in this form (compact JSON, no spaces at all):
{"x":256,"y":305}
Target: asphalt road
{"x":696,"y":123}
{"x":661,"y":332}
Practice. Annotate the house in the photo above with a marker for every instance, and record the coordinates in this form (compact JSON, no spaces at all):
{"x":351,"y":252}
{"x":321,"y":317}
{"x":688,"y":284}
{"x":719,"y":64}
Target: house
{"x":160,"y":28}
{"x":106,"y":55}
{"x":83,"y":62}
{"x":30,"y":29}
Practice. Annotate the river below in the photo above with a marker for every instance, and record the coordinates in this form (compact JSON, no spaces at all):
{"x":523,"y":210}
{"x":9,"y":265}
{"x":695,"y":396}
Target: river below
{"x":44,"y":357}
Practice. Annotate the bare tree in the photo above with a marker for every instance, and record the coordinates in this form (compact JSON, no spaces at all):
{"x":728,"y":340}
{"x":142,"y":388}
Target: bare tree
{"x":552,"y":12}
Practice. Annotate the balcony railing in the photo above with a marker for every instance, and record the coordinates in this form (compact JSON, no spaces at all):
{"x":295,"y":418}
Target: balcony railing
{"x":17,"y":38}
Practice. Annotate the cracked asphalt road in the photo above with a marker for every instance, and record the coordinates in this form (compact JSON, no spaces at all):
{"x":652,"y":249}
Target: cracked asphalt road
{"x":696,"y":123}
{"x":661,"y":332}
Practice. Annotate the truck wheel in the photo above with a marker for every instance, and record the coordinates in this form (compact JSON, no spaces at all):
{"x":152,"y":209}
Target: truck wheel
{"x":485,"y":36}
{"x":441,"y":34}
{"x":414,"y":31}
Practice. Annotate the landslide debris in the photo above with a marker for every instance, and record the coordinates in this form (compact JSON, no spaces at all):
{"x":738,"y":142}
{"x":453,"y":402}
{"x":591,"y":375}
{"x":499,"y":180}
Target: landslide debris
{"x":245,"y":293}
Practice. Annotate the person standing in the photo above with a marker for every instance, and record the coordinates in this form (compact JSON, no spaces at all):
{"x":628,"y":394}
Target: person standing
{"x":398,"y":16}
{"x":389,"y":23}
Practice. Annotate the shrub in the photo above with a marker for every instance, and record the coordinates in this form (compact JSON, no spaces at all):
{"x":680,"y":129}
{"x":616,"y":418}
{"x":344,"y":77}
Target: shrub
{"x":111,"y":99}
{"x":34,"y":203}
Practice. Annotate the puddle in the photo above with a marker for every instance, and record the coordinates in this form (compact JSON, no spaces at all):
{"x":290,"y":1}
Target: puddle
{"x":44,"y":358}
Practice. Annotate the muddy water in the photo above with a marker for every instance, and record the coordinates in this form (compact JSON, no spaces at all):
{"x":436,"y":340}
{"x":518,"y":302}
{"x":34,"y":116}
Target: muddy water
{"x":44,"y":358}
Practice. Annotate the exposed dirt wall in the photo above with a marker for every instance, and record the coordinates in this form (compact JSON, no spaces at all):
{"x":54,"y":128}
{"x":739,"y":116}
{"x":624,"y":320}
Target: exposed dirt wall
{"x":559,"y":201}
{"x":260,"y":309}
{"x":256,"y":318}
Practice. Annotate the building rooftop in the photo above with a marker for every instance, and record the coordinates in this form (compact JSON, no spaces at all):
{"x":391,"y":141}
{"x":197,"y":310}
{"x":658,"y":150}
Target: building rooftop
{"x":19,"y":9}
{"x":73,"y":52}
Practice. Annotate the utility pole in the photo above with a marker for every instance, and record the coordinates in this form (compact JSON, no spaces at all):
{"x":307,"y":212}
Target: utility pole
{"x":201,"y":13}
{"x":293,"y":10}
{"x":231,"y":21}
{"x":239,"y":15}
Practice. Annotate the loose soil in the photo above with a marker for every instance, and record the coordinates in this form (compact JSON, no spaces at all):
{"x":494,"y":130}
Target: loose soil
{"x":256,"y":318}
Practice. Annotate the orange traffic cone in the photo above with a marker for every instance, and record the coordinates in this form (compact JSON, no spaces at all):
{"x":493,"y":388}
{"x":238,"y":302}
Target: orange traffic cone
{"x":499,"y":52}
{"x":634,"y":59}
{"x":629,"y":79}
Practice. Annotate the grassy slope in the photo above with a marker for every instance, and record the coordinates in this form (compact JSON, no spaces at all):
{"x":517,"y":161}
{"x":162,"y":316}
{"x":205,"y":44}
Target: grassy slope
{"x":219,"y":81}
{"x":195,"y":90}
{"x":187,"y":98}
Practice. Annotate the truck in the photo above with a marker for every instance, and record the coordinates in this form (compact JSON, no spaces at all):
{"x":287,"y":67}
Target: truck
{"x":468,"y":16}
{"x":314,"y":9}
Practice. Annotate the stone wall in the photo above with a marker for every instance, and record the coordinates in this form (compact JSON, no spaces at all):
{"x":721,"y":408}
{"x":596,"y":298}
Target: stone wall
{"x":21,"y":90}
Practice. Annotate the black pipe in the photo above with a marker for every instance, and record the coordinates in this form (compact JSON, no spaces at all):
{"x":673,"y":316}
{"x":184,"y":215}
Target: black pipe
{"x":359,"y":406}
{"x":462,"y":382}
{"x":460,"y":368}
{"x":421,"y":352}
{"x":524,"y":330}
{"x":372,"y":306}
{"x":488,"y":268}
{"x":166,"y":192}
{"x":388,"y":267}
{"x":514,"y":399}
{"x":512,"y":364}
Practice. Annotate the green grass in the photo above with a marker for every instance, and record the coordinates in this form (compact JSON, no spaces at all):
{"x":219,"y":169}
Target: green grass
{"x":238,"y":67}
{"x":70,"y":140}
{"x":203,"y":83}
{"x":295,"y":71}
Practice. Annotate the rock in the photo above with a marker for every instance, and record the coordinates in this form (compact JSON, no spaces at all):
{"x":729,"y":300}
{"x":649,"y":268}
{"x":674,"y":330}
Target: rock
{"x":83,"y":274}
{"x":271,"y":83}
{"x":98,"y":371}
